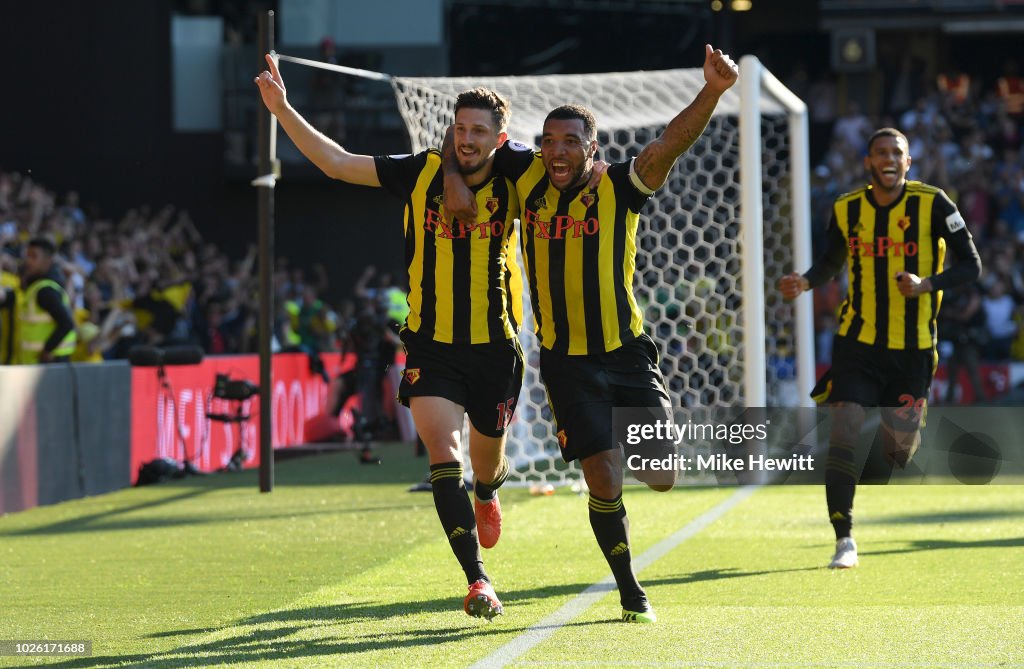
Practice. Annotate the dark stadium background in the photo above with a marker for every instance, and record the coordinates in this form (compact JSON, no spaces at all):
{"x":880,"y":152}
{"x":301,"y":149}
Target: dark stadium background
{"x":87,"y":92}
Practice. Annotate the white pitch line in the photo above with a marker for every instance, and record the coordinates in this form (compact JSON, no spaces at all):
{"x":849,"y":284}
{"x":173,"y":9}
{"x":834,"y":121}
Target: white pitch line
{"x":547,"y":626}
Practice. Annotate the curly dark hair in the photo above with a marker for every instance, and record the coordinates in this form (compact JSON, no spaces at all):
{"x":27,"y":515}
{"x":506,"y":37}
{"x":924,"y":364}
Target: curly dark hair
{"x":569,"y":112}
{"x":886,"y":132}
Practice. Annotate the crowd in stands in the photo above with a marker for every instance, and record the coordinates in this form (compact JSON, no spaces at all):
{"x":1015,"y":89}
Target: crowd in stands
{"x":149,"y":278}
{"x":965,"y":137}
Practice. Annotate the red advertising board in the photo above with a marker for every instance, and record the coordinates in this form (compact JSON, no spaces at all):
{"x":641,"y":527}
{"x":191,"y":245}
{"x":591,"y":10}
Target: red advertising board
{"x":164,"y":417}
{"x":995,"y":382}
{"x":996,"y":379}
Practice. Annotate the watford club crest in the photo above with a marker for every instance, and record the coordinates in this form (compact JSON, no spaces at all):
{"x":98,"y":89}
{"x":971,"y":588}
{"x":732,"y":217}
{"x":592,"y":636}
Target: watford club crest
{"x":587,"y":199}
{"x":412,"y":376}
{"x":903,"y":223}
{"x":562,"y":439}
{"x":492,"y":204}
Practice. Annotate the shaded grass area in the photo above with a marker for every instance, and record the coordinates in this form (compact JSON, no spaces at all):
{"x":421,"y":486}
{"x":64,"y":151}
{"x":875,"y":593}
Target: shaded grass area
{"x":341,"y":567}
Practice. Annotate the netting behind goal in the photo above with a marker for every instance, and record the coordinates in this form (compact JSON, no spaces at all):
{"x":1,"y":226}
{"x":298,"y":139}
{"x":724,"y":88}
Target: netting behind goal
{"x":688,"y":265}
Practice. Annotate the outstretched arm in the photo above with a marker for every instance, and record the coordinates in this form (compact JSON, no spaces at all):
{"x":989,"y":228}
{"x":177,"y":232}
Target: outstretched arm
{"x":321,"y":150}
{"x":826,"y":266}
{"x":656,"y":160}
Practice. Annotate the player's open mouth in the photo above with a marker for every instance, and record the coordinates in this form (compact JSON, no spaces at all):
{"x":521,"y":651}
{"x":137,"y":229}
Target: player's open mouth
{"x":467,"y":152}
{"x":559,"y":169}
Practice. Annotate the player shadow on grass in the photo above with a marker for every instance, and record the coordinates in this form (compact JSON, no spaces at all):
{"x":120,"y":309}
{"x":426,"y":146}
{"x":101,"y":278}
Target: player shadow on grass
{"x":100,"y":522}
{"x":251,"y":641}
{"x":941,"y":544}
{"x":513,"y":597}
{"x":84,"y":523}
{"x":967,"y":516}
{"x":266,"y":637}
{"x":719,"y":574}
{"x":269,"y":645}
{"x":361,"y":611}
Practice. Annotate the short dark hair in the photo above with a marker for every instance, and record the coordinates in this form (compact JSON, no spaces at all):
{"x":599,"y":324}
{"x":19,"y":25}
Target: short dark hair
{"x":44,"y":244}
{"x":570,"y":112}
{"x":485,"y":98}
{"x":886,"y":132}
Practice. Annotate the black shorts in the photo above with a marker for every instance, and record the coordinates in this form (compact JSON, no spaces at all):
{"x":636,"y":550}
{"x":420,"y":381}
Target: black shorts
{"x":485,"y":379}
{"x":583,"y":390}
{"x":872,"y":376}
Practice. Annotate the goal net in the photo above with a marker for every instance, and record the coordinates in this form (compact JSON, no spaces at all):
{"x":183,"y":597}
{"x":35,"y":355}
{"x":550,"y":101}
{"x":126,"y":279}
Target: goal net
{"x":690,"y":268}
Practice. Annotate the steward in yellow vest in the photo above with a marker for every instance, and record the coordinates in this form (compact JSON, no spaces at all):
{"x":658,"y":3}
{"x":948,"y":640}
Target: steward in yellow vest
{"x":45,"y":324}
{"x":9,"y":287}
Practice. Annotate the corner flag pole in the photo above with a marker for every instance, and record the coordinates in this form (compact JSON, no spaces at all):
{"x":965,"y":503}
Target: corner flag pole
{"x":265,"y":185}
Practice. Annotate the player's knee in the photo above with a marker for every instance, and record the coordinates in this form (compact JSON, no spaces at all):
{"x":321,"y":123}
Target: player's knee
{"x":487,"y":472}
{"x":605,"y":489}
{"x":846,"y":428}
{"x":847,"y":420}
{"x":437,"y":454}
{"x":487,"y":455}
{"x":441,"y":446}
{"x":603,"y":482}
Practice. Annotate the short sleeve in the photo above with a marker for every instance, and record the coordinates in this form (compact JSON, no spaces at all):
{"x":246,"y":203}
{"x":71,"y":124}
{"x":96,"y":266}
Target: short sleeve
{"x":628,"y":187}
{"x":398,"y":173}
{"x":513,"y":159}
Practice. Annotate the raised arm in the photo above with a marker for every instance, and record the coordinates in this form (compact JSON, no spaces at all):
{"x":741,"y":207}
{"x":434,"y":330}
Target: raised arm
{"x":656,"y":160}
{"x":322,"y":151}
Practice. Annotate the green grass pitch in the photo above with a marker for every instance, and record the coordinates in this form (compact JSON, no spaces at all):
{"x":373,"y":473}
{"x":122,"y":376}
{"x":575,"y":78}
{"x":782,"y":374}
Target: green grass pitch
{"x":340,"y":566}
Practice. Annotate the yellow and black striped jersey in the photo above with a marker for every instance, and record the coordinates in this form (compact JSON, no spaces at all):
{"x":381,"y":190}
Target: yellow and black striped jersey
{"x":465,"y":285}
{"x":909,"y":235}
{"x":579,"y":252}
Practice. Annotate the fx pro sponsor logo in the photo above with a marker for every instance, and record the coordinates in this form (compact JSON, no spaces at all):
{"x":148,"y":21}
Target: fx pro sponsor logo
{"x":437,"y":224}
{"x":881,"y":246}
{"x":560,"y":227}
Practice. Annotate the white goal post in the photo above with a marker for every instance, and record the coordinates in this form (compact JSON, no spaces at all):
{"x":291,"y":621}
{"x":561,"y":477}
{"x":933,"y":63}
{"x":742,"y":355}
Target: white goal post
{"x":756,"y":82}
